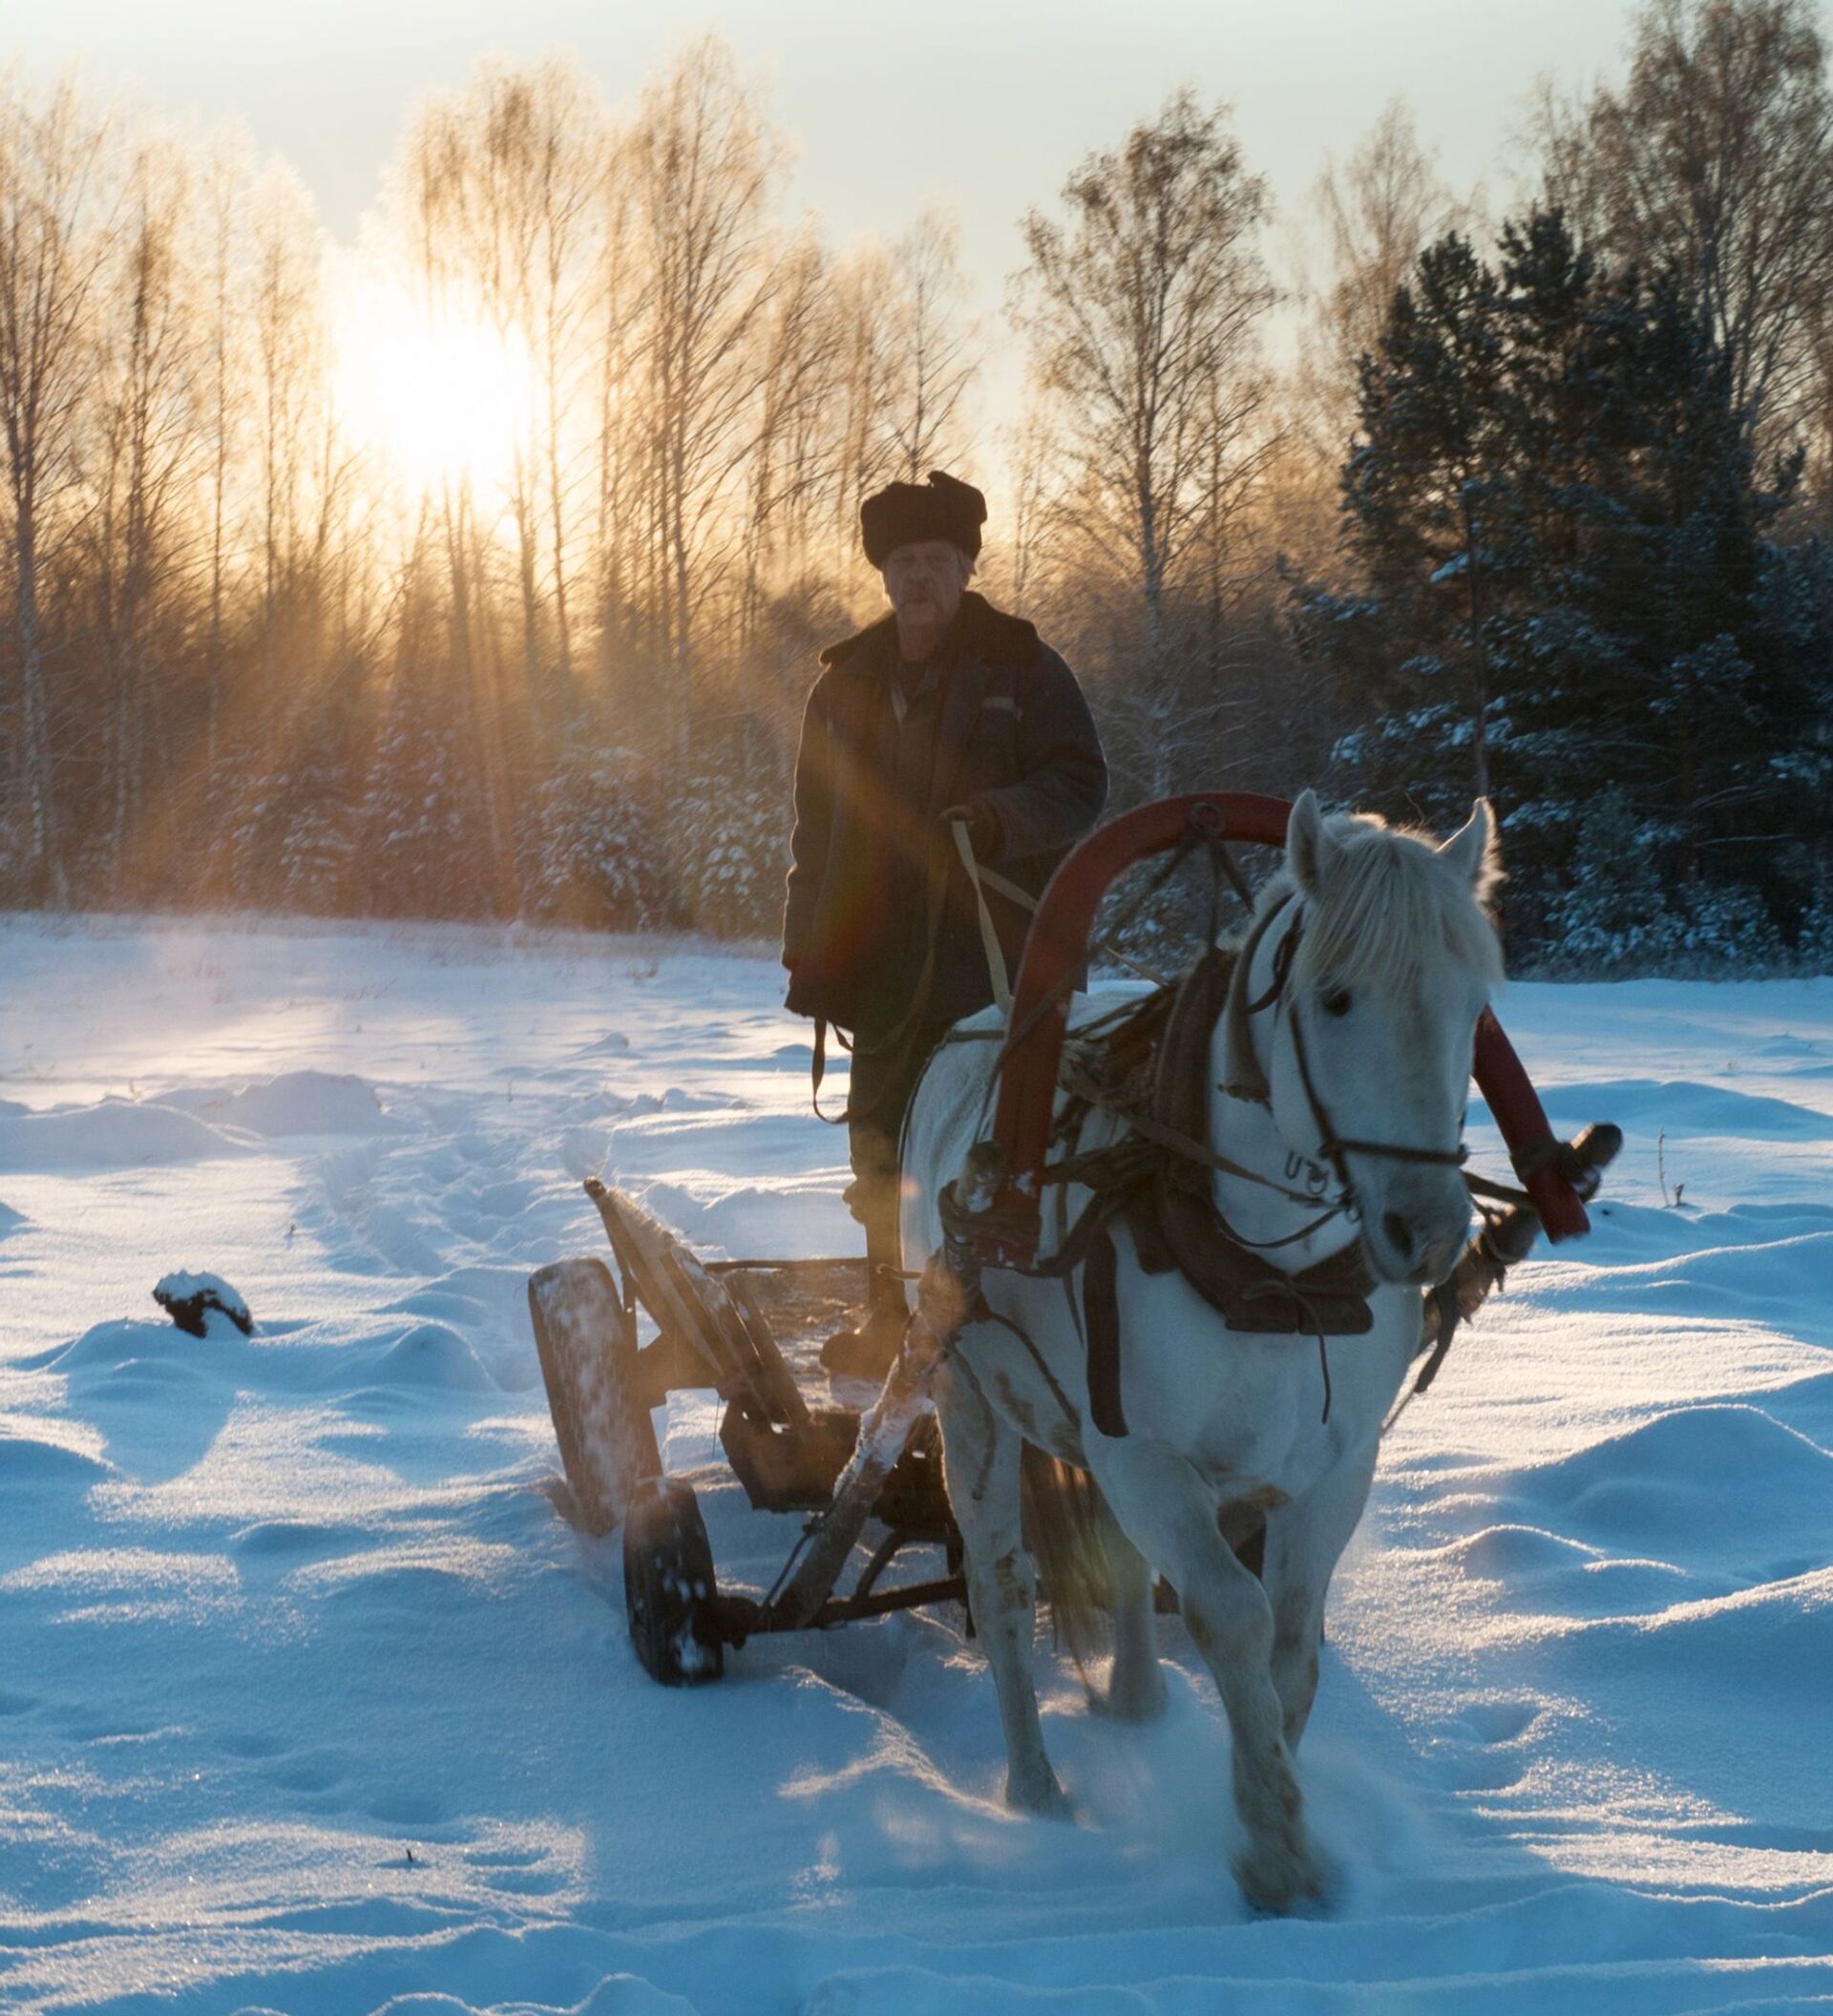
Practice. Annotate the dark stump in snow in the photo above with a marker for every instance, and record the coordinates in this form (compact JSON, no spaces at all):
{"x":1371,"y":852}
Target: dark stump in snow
{"x":187,"y":1298}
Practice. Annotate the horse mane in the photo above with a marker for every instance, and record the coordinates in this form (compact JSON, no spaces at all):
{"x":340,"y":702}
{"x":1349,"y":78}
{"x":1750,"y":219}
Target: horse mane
{"x":1391,"y":907}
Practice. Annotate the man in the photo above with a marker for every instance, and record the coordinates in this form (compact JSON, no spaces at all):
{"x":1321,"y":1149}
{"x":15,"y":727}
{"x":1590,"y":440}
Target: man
{"x":944,"y":710}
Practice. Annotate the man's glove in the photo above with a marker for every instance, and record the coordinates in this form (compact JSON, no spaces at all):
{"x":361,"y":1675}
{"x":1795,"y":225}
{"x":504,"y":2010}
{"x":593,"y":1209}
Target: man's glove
{"x":986,"y":834}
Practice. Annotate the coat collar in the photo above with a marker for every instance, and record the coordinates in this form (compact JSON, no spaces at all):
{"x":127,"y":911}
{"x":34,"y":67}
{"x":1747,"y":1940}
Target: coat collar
{"x":979,"y":631}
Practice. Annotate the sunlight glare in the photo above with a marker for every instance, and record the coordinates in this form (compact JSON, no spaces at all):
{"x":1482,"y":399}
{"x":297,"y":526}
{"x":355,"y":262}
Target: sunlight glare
{"x":438,"y":394}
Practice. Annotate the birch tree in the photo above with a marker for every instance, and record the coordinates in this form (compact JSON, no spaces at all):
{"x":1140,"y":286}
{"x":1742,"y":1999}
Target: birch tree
{"x":865,"y":452}
{"x":1376,"y":212}
{"x":937,"y":363}
{"x":223,"y":260}
{"x":1142,"y":307}
{"x":1714,"y":160}
{"x":55,"y":210}
{"x":787,"y":467}
{"x":507,"y":180}
{"x":706,"y":166}
{"x":148,"y":427}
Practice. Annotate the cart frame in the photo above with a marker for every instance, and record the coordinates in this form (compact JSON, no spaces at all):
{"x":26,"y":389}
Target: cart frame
{"x":716,"y":1327}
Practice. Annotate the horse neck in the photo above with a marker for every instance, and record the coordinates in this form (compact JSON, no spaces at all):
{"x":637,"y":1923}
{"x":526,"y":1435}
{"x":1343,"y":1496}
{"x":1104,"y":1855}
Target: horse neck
{"x":1245,"y":1130}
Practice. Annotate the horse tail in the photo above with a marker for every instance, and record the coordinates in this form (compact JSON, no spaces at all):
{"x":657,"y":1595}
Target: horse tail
{"x":1065,"y":1520}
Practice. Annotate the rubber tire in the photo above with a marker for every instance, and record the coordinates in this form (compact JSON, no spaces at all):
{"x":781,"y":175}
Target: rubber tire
{"x":670,"y":1594}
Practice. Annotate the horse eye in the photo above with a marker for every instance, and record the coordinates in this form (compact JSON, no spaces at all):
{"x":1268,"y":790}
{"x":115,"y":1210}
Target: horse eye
{"x":1336,"y":1000}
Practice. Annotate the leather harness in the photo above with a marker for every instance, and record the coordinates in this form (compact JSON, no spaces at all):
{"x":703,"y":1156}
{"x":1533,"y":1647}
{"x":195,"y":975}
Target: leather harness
{"x":1156,"y":1061}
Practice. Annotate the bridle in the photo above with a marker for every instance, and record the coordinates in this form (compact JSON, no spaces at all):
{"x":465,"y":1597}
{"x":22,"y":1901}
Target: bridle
{"x":1335,"y":1148}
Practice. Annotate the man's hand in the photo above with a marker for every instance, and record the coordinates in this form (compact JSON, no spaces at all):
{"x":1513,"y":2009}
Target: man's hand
{"x":985,"y":835}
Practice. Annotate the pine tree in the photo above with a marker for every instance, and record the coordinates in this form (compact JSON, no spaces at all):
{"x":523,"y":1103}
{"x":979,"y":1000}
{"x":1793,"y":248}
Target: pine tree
{"x":1421,"y":494}
{"x":1567,"y":587}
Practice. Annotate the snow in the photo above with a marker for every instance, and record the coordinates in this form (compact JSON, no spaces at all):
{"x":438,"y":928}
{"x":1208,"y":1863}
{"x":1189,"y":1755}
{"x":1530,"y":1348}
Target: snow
{"x":295,"y":1102}
{"x":310,"y":1701}
{"x":114,"y":1133}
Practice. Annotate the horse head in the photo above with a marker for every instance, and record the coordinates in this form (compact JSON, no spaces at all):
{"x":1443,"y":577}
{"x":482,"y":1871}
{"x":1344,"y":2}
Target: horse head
{"x":1373,"y":955}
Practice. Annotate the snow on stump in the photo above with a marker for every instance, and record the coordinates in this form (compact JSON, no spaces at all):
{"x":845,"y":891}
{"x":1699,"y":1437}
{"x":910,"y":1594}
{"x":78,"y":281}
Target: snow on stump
{"x":188,"y":1298}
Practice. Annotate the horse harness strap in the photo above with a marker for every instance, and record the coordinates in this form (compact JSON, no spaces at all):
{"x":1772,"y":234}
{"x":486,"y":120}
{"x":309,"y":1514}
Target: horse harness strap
{"x":1156,"y":1179}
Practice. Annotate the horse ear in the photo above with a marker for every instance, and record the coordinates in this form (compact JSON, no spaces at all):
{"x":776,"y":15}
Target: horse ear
{"x":1309,"y":846}
{"x":1472,"y":850}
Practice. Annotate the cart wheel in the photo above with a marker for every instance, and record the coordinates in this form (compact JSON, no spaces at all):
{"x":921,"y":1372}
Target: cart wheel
{"x":588,"y":1350}
{"x":670,"y":1590}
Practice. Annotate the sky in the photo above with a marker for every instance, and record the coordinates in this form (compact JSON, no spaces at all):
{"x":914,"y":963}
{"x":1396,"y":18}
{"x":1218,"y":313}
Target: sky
{"x":986,"y":106}
{"x":981,"y":104}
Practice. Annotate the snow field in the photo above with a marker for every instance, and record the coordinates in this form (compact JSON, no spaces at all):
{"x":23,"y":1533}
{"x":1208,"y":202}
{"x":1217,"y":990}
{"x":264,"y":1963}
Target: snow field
{"x":310,"y":1701}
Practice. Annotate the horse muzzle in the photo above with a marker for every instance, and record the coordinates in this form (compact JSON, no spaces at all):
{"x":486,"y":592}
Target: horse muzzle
{"x":1418,"y":1248}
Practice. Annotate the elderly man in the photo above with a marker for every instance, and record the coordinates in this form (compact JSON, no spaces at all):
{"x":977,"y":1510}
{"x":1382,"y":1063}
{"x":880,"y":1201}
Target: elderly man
{"x":945,"y":710}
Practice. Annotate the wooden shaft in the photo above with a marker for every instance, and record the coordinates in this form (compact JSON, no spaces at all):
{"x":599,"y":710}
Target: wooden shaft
{"x":883,"y":1437}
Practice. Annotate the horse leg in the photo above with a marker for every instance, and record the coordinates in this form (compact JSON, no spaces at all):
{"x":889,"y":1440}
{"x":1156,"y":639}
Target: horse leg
{"x":1304,"y":1540}
{"x":980,"y":1456}
{"x":1168,"y":1511}
{"x":1136,"y":1685}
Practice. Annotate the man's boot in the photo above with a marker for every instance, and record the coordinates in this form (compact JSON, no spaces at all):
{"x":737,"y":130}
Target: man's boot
{"x":866,"y":1348}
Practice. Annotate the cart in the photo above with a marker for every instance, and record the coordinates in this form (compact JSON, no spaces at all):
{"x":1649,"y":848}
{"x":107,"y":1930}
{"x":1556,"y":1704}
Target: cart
{"x":751,"y":1330}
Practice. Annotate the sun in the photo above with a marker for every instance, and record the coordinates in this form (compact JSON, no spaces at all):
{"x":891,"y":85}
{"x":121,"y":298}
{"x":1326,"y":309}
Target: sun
{"x":438,"y":393}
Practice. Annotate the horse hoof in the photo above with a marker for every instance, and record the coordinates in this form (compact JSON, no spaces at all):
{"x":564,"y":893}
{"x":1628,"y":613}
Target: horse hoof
{"x":1041,"y":1800}
{"x":1135,"y":1705}
{"x":1281,"y":1880}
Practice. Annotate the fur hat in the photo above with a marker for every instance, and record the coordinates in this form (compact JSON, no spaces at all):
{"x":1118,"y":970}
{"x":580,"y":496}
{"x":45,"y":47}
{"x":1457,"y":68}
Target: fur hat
{"x":905,"y":512}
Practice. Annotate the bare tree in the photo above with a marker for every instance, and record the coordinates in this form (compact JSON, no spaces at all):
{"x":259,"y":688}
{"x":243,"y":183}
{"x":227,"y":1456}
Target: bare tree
{"x":288,"y":331}
{"x":871,"y":373}
{"x":223,"y":258}
{"x":569,"y":164}
{"x":935,"y":344}
{"x":621,"y":453}
{"x":1376,"y":213}
{"x":908,"y":361}
{"x":1143,"y":314}
{"x":1716,"y":159}
{"x":787,"y":466}
{"x":1027,"y":461}
{"x":705,"y":166}
{"x":148,"y":441}
{"x":55,"y":215}
{"x":440,"y":270}
{"x":509,"y":175}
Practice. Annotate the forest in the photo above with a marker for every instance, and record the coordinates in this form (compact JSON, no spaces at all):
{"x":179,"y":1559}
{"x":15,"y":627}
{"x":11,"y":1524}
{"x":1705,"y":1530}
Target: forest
{"x":480,"y":571}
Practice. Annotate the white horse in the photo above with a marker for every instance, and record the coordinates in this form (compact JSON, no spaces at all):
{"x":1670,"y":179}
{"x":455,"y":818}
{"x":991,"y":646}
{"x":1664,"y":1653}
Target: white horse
{"x":1372,"y":958}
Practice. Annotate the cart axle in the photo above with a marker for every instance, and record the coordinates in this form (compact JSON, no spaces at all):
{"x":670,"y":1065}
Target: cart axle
{"x":730,"y":1620}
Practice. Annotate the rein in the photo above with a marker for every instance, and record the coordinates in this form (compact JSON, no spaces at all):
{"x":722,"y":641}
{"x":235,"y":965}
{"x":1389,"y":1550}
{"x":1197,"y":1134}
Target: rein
{"x":1148,"y":1176}
{"x":1155,"y":1178}
{"x":1083,"y":1086}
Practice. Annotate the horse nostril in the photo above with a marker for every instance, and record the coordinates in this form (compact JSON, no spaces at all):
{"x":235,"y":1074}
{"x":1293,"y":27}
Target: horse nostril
{"x":1399,"y":1233}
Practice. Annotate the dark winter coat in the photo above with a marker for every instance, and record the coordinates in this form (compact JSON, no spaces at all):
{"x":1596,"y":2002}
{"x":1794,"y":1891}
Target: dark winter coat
{"x":874,"y":872}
